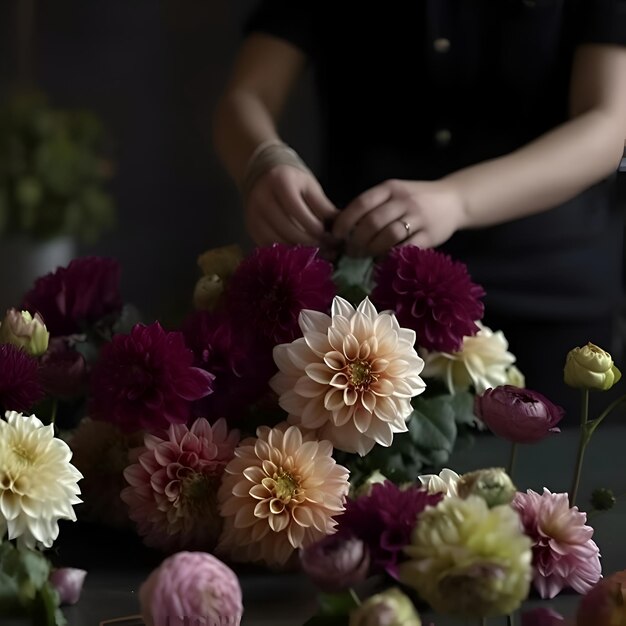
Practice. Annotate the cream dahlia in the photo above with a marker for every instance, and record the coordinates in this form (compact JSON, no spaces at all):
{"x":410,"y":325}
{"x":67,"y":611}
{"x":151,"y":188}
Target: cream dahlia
{"x":172,"y":492}
{"x":278,"y":494}
{"x":468,"y":560}
{"x":38,"y":484}
{"x":482,"y":362}
{"x":351,"y":376}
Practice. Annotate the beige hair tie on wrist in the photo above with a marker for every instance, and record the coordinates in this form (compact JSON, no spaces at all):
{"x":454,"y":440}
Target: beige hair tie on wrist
{"x":267,"y":155}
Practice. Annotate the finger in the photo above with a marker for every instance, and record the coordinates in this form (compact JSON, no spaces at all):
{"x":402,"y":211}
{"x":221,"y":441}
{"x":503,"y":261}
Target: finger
{"x":294,"y":205}
{"x":285,"y":225}
{"x":421,"y":239}
{"x":263,"y":235}
{"x":372,"y":224}
{"x":269,"y":222}
{"x":358,"y":208}
{"x":319,"y":203}
{"x":394,"y":234}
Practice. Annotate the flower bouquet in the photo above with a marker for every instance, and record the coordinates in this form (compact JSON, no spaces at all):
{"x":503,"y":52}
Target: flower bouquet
{"x":298,"y":418}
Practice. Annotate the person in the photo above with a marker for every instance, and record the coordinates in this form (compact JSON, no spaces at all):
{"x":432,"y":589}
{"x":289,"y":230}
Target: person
{"x":490,"y":130}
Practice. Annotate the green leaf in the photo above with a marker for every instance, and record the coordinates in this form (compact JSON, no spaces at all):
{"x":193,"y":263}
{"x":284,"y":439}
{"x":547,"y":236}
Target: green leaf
{"x":462,"y":404}
{"x":337,"y":603}
{"x":433,"y":428}
{"x":353,"y":278}
{"x":46,"y":611}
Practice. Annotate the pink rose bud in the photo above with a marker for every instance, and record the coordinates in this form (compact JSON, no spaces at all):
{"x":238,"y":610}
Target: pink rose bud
{"x":336,"y":562}
{"x":68,"y":581}
{"x":605,"y":603}
{"x":518,"y":415}
{"x":190,"y":588}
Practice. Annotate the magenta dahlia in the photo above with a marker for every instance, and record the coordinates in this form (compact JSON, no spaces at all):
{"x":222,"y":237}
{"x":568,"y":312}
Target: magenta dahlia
{"x":384,"y":521}
{"x":431,"y":294}
{"x":172,"y":492}
{"x":241,"y":367}
{"x":564,"y":554}
{"x":146,"y":380}
{"x":271,"y":286}
{"x":20,"y":388}
{"x":76,"y":296}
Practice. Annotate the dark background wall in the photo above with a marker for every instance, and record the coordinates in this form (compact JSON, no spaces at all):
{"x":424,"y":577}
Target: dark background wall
{"x":153,"y":71}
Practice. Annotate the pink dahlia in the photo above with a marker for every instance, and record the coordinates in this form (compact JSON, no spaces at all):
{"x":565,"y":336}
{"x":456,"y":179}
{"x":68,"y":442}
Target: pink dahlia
{"x":145,"y":380}
{"x":76,"y":296}
{"x":172,"y":492}
{"x":430,"y":293}
{"x":20,"y":388}
{"x":564,"y":555}
{"x":384,"y":521}
{"x":191,"y":588}
{"x":350,"y":377}
{"x":280,"y":493}
{"x":241,"y":367}
{"x":271,"y":286}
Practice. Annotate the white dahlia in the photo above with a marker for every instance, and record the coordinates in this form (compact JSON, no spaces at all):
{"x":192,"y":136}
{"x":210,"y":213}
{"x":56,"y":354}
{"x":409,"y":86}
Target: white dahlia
{"x":483,"y":362}
{"x":38,"y":484}
{"x":350,"y":377}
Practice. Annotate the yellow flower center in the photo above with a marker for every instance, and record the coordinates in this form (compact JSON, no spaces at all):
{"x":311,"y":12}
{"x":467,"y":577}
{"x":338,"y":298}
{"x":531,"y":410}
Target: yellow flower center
{"x":285,"y":486}
{"x":360,"y":375}
{"x":23,"y":456}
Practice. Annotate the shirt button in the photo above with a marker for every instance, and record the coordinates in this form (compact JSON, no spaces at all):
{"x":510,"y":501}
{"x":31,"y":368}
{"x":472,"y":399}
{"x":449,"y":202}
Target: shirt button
{"x":441,"y":45}
{"x":443,"y":137}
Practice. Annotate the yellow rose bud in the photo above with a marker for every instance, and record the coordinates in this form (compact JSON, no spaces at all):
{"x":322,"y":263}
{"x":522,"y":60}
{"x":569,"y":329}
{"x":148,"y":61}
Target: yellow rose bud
{"x":515,"y":378}
{"x":365,"y":488}
{"x":590,"y":367}
{"x":25,"y":331}
{"x":207,"y":292}
{"x":221,"y":262}
{"x":389,"y":608}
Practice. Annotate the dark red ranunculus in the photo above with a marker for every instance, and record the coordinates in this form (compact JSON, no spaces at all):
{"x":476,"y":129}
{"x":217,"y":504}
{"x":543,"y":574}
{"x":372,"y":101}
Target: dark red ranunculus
{"x":271,"y":286}
{"x":63,"y":371}
{"x":146,"y":380}
{"x":77,"y":296}
{"x":20,"y":388}
{"x":384,"y":521}
{"x":431,"y":294}
{"x":518,"y":415}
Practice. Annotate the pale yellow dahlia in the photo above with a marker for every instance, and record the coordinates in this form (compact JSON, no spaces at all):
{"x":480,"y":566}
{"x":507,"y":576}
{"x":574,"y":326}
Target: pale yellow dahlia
{"x":350,"y":377}
{"x":469,"y":560}
{"x":278,"y":494}
{"x":483,"y":362}
{"x":38,"y":484}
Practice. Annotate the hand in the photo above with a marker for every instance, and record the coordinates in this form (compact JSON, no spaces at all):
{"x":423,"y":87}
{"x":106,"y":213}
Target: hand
{"x":400,"y":212}
{"x":288,"y":205}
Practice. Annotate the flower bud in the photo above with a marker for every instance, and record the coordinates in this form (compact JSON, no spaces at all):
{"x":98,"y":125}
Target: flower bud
{"x":365,"y":488}
{"x":389,"y":608}
{"x":493,"y":485}
{"x":605,"y":603}
{"x":602,"y":499}
{"x":590,"y":367}
{"x":518,"y":415}
{"x":221,"y":261}
{"x":336,"y":562}
{"x":68,"y":582}
{"x":207,"y":292}
{"x":63,"y":371}
{"x":25,"y":331}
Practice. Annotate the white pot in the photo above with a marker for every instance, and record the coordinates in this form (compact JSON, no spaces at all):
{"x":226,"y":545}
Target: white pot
{"x":23,"y":260}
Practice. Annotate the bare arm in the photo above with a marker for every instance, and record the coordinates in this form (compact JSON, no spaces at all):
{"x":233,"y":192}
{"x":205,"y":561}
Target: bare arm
{"x":548,"y":171}
{"x":562,"y":163}
{"x":283,"y":201}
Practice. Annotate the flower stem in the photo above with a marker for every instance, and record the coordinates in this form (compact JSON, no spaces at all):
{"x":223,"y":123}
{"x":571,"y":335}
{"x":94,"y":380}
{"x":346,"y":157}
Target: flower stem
{"x":510,"y":619}
{"x":354,"y":596}
{"x":512,"y":459}
{"x":582,"y":445}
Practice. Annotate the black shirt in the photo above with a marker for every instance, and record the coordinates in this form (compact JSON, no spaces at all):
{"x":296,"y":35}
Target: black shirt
{"x":416,"y":90}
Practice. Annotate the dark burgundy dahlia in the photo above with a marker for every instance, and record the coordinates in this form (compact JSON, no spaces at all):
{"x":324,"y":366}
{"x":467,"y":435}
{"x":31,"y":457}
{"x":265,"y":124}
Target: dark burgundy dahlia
{"x":431,"y":294}
{"x":272,"y":285}
{"x":77,"y":296}
{"x":384,"y":521}
{"x":146,"y":380}
{"x":20,"y":388}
